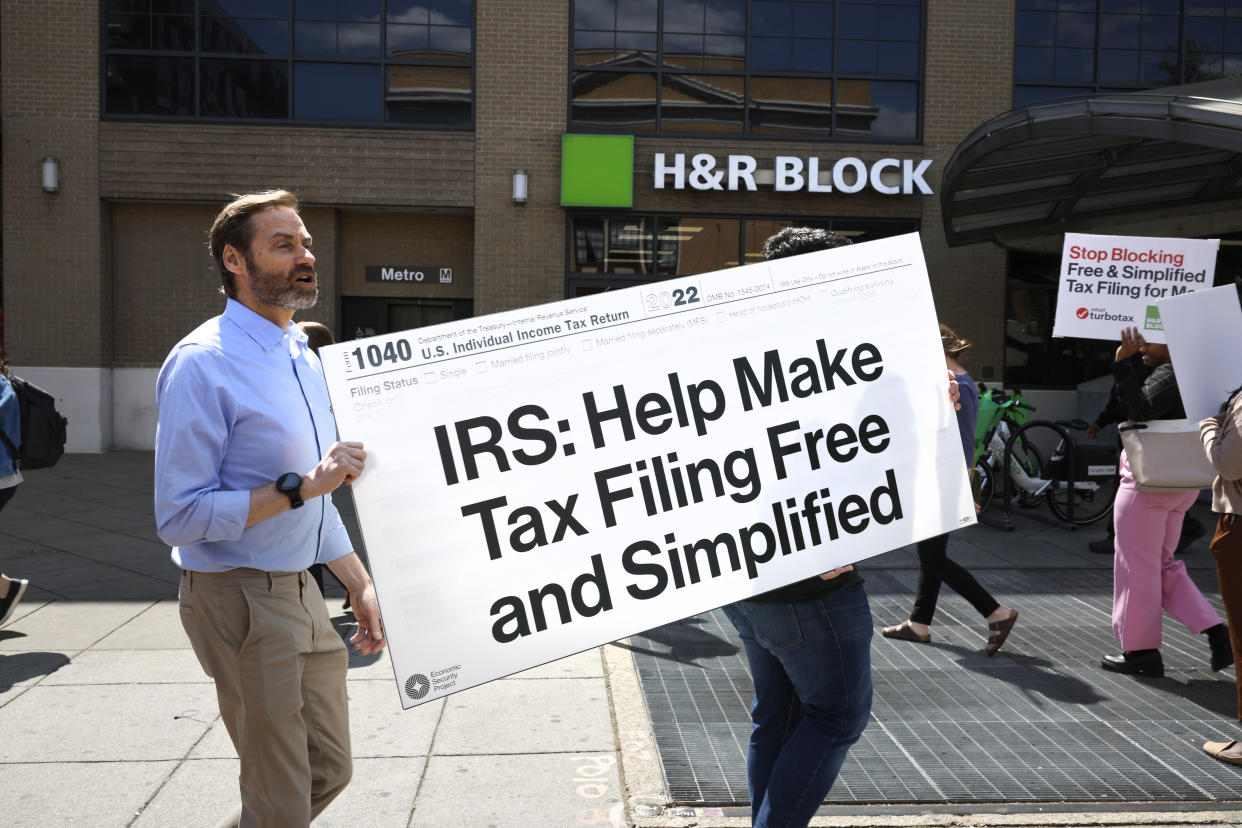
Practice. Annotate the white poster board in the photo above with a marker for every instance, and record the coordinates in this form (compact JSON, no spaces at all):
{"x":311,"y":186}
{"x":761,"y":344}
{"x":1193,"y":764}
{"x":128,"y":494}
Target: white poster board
{"x":1204,"y":331}
{"x":545,"y":480}
{"x":1113,"y":282}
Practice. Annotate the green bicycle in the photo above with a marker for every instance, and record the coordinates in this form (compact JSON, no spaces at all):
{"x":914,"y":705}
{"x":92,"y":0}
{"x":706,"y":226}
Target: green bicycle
{"x":1080,"y":495}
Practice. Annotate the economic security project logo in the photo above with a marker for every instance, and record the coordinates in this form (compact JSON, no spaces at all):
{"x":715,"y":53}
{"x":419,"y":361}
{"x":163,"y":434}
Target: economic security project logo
{"x":417,"y":686}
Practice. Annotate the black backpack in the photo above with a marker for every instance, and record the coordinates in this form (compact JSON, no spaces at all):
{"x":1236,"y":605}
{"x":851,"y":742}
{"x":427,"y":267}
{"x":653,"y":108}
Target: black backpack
{"x":43,"y":427}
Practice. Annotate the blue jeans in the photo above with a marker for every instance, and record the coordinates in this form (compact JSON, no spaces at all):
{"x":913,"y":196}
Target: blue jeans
{"x":811,"y":665}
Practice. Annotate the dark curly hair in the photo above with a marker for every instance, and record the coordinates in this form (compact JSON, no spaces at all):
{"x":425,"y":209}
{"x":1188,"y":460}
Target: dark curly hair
{"x":793,"y":241}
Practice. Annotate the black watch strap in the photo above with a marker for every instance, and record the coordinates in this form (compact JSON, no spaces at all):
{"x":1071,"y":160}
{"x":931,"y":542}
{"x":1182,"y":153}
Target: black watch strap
{"x":290,"y":485}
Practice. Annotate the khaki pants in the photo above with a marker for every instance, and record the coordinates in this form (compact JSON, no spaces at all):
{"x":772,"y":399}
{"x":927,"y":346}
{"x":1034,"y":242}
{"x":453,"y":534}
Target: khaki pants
{"x":279,"y":667}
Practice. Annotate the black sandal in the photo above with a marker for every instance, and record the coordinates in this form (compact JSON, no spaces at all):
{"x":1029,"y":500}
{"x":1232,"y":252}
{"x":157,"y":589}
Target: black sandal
{"x":999,"y":631}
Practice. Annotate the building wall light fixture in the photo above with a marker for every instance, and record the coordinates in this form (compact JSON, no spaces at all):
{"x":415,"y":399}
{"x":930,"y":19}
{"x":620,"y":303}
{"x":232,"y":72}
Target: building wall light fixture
{"x":51,"y":174}
{"x":519,"y":186}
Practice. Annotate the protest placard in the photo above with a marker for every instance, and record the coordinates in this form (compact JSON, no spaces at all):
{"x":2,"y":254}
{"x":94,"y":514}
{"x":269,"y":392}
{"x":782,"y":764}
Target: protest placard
{"x":545,"y":480}
{"x":1204,"y":331}
{"x":1113,"y":282}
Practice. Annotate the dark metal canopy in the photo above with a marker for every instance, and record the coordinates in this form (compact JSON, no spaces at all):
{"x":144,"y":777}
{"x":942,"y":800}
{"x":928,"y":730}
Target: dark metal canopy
{"x":1164,"y":162}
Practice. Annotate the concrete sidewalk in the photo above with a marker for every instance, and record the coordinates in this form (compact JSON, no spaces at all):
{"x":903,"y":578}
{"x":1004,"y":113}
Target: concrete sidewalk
{"x":106,"y":718}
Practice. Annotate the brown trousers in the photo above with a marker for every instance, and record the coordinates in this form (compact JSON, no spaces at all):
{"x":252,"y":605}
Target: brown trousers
{"x":1227,"y":550}
{"x":279,"y":667}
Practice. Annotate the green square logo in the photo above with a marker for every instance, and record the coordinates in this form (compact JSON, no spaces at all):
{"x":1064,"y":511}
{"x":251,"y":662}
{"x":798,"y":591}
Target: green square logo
{"x":1153,"y":322}
{"x":597,"y":170}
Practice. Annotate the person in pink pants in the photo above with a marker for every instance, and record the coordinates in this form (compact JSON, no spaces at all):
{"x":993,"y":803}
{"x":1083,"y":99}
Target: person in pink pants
{"x":1146,"y":577}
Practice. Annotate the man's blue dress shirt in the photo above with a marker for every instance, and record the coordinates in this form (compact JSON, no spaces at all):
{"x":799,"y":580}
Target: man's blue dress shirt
{"x":241,"y":402}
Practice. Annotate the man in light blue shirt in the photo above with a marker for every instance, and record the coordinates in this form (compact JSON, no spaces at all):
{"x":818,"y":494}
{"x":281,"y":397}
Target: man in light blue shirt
{"x":246,"y":459}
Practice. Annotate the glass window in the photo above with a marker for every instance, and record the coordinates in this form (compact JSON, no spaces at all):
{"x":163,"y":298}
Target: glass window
{"x":140,"y":85}
{"x":244,"y":89}
{"x":716,"y":65}
{"x":399,"y":62}
{"x":428,"y":96}
{"x":1103,"y":45}
{"x":336,"y":92}
{"x":708,"y":104}
{"x":790,"y":106}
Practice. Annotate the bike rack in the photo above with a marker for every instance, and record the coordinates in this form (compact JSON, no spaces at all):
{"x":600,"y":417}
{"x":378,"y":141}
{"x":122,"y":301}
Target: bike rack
{"x":1070,"y":447}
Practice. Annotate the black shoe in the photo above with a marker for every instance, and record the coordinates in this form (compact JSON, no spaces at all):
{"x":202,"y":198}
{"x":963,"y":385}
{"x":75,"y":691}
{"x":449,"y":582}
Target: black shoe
{"x":1103,"y":546}
{"x":1192,"y":530}
{"x":17,"y":588}
{"x":1135,"y":663}
{"x":1222,"y":649}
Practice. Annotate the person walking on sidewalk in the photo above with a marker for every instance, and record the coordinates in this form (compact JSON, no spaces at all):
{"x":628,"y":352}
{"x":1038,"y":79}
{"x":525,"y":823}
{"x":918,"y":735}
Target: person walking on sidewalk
{"x":808,"y":646}
{"x":1192,"y":529}
{"x":245,"y":461}
{"x":11,"y":589}
{"x":934,"y":564}
{"x":1146,"y":576}
{"x":1222,"y":441}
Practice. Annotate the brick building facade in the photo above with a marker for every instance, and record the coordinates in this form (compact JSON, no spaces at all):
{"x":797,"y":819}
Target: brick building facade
{"x":101,"y":278}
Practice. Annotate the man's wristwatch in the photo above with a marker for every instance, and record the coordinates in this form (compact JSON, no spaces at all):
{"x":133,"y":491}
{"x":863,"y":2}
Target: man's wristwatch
{"x":290,"y":485}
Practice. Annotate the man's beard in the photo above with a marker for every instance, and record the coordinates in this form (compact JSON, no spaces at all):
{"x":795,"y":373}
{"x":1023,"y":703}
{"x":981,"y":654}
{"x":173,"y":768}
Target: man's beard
{"x":271,"y":287}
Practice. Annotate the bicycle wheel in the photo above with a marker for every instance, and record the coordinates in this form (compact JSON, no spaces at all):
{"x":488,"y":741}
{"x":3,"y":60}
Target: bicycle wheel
{"x":986,"y":488}
{"x":1093,"y":496}
{"x":1032,"y":463}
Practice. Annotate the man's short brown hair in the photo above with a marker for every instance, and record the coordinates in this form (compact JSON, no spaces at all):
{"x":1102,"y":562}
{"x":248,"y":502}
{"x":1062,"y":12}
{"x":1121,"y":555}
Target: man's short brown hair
{"x":232,"y":226}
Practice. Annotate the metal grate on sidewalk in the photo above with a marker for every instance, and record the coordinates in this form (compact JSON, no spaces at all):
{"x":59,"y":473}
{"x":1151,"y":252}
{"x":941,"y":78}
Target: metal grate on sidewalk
{"x":1038,"y":722}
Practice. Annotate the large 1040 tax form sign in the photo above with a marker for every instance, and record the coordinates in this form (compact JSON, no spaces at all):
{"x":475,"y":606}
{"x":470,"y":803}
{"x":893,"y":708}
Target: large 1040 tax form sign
{"x":545,"y":480}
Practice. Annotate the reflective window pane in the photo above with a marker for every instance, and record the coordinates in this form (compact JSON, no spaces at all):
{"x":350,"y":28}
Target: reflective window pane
{"x":411,"y":11}
{"x":267,"y":8}
{"x":683,"y":15}
{"x":902,"y":23}
{"x":686,"y":246}
{"x":451,"y":12}
{"x":638,"y":15}
{"x":771,"y":19}
{"x":898,"y":58}
{"x":1159,"y":32}
{"x":884,"y":111}
{"x":712,"y":104}
{"x":358,"y":40}
{"x":315,"y":9}
{"x":1119,"y":66}
{"x":812,"y":19}
{"x":857,"y":57}
{"x":141,"y":85}
{"x":336,"y":92}
{"x":1205,"y":35}
{"x":314,"y":39}
{"x":360,"y":11}
{"x":1035,"y":28}
{"x":243,"y":89}
{"x":595,"y":14}
{"x":771,"y":53}
{"x":614,"y":101}
{"x":790,"y":106}
{"x":811,"y":55}
{"x":407,"y":42}
{"x":858,"y":21}
{"x":1075,"y":66}
{"x":450,"y":42}
{"x":1076,"y":30}
{"x":1120,"y":31}
{"x":431,"y":96}
{"x":725,"y":17}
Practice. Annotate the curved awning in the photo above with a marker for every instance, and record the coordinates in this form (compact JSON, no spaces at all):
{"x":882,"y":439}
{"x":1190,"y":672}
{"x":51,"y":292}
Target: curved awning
{"x":1164,"y":162}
